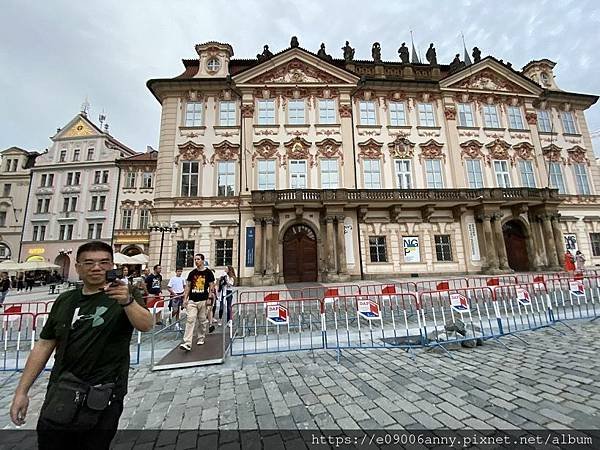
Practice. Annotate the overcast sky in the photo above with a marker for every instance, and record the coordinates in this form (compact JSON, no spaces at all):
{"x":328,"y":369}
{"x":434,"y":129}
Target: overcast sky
{"x":55,"y":53}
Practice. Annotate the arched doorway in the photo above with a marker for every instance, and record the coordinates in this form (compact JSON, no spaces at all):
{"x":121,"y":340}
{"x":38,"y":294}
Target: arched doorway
{"x":131,"y":250}
{"x":300,"y":254}
{"x":515,"y":240}
{"x":65,"y":264}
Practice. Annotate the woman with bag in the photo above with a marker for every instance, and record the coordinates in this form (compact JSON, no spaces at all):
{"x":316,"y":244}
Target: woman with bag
{"x":226,"y":283}
{"x":579,"y":261}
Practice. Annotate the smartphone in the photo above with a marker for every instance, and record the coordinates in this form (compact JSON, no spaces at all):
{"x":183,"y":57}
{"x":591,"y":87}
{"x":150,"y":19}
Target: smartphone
{"x":114,"y":275}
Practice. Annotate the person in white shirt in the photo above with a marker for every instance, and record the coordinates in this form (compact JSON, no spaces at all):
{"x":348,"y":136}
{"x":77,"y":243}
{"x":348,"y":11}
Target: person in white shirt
{"x":226,"y":283}
{"x":176,"y":288}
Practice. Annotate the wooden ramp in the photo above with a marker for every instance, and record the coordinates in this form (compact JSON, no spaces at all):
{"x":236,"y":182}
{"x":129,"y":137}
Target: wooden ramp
{"x":213,"y":351}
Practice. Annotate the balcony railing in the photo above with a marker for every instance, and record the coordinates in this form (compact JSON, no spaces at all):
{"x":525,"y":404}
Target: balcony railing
{"x":387,"y":195}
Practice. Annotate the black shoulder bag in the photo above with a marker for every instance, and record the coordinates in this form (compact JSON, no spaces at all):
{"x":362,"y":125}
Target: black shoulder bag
{"x":71,"y":402}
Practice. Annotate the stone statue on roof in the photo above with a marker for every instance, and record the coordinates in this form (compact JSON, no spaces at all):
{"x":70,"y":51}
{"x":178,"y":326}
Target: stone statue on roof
{"x":403,"y":53}
{"x":376,"y":52}
{"x":456,"y":64}
{"x":266,"y":54}
{"x":348,"y":52}
{"x":294,"y":42}
{"x":323,"y":54}
{"x":476,"y":55}
{"x":431,"y":56}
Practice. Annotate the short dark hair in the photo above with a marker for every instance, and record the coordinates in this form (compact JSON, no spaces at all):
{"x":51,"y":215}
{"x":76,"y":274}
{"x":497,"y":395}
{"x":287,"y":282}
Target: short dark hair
{"x":155,"y":266}
{"x":178,"y":268}
{"x":201,"y":256}
{"x":94,"y":246}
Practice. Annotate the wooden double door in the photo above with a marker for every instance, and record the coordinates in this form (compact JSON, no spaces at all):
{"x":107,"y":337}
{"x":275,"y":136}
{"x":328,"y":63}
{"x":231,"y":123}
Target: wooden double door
{"x":515,"y":241}
{"x":300,"y":254}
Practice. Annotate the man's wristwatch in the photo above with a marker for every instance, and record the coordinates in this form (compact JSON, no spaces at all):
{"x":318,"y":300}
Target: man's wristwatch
{"x":129,"y":302}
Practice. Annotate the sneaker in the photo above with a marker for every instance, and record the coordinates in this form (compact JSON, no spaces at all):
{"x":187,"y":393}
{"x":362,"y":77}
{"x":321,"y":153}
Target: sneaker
{"x":186,"y":347}
{"x":229,"y":324}
{"x":211,"y":328}
{"x":177,"y":327}
{"x":219,"y":323}
{"x":200,"y":341}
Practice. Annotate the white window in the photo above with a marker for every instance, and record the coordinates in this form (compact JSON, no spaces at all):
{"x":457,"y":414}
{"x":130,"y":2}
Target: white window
{"x":104,"y":176}
{"x":556,"y":177}
{"x":147,"y":180}
{"x":297,"y":174}
{"x":581,"y":179}
{"x":90,"y":154}
{"x":66,"y":232}
{"x":130,"y":179}
{"x":465,"y":115}
{"x":433,"y":173}
{"x":426,"y":117}
{"x":101,"y":203}
{"x":296,"y":112}
{"x":226,"y":178}
{"x":76,"y":154}
{"x":144,"y":218}
{"x":367,"y":112}
{"x":193,"y":114}
{"x":189,"y":179}
{"x":327,"y":111}
{"x":94,"y":231}
{"x":127,"y":219}
{"x":568,"y":122}
{"x":227,"y":114}
{"x":372,"y":174}
{"x":266,"y":112}
{"x":39,"y":233}
{"x":515,"y":119}
{"x":397,"y":114}
{"x":403,"y":173}
{"x":527,"y":175}
{"x":474,"y":173}
{"x":490,"y":116}
{"x":502,"y":174}
{"x":213,"y":65}
{"x":266,"y":174}
{"x":62,"y":156}
{"x":543,"y":121}
{"x":329,"y":174}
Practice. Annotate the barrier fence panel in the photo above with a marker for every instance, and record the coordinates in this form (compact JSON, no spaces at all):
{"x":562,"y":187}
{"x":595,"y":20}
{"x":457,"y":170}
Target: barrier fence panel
{"x":523,"y":306}
{"x":442,"y":285}
{"x":494,"y":280}
{"x":459,"y":315}
{"x":276,"y":326}
{"x":372,"y":321}
{"x":575,"y":298}
{"x":388,"y":288}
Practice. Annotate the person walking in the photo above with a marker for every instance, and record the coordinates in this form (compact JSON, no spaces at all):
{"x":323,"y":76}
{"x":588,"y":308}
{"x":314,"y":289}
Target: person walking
{"x":579,"y":261}
{"x":199,"y":282}
{"x":20,"y":281}
{"x":29,"y":281}
{"x":126,"y":278}
{"x":569,"y":262}
{"x":154,"y":288}
{"x":90,"y":327}
{"x":4,"y":287}
{"x":176,"y":288}
{"x":226,"y":283}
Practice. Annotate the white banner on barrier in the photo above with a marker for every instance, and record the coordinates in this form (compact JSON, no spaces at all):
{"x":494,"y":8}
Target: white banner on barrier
{"x":576,"y":288}
{"x":277,"y":314}
{"x":459,"y":303}
{"x":523,"y":297}
{"x":368,"y":309}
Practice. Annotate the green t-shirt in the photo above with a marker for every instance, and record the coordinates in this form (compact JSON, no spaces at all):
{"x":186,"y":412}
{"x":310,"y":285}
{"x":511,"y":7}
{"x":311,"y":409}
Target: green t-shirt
{"x":97,"y":348}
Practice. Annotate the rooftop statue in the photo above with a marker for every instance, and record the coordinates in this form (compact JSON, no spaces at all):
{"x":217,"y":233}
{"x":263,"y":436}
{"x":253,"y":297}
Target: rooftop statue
{"x":456,"y":64}
{"x":266,"y":54}
{"x":348,"y":52}
{"x":476,"y":55}
{"x":294,"y":42}
{"x":431,"y":55}
{"x":376,"y":52}
{"x":403,"y":53}
{"x":323,"y":54}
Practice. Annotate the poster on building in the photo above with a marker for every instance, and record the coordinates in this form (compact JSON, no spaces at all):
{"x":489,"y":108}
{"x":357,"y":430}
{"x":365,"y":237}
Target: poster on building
{"x":349,"y":241}
{"x":250,"y":246}
{"x":412,"y":253}
{"x":571,"y":242}
{"x":474,"y":243}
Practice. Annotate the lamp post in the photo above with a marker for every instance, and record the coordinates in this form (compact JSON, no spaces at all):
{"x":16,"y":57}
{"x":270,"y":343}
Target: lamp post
{"x":163,"y":228}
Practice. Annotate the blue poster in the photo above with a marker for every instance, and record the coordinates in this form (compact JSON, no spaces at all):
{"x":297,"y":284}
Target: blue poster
{"x":250,"y":246}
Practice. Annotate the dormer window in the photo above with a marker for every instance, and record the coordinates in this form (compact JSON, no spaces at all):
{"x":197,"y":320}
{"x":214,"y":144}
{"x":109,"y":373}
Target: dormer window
{"x":213,"y":65}
{"x":545,"y":79}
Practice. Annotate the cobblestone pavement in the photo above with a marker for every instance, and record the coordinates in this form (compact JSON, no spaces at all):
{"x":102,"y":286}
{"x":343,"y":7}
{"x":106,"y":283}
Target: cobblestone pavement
{"x":551,"y":382}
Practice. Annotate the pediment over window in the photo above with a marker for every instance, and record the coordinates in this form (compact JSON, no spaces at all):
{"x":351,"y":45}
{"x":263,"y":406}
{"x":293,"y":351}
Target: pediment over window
{"x":498,"y":149}
{"x":295,"y":66}
{"x":578,"y":155}
{"x":401,"y":148}
{"x":330,"y":148}
{"x":523,"y":150}
{"x":265,"y":149}
{"x":431,"y":150}
{"x":471,"y":149}
{"x":191,"y":151}
{"x":490,"y":75}
{"x":553,"y":153}
{"x":298,"y":148}
{"x":225,"y":151}
{"x":370,"y":149}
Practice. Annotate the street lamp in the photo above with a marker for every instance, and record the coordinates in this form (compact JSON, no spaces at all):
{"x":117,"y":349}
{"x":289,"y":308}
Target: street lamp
{"x":163,"y":227}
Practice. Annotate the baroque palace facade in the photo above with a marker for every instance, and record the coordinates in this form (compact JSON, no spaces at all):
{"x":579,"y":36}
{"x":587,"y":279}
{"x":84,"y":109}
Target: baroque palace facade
{"x":297,"y":166}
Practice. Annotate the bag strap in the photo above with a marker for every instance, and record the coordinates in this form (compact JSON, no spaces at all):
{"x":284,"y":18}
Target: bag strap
{"x":71,"y":307}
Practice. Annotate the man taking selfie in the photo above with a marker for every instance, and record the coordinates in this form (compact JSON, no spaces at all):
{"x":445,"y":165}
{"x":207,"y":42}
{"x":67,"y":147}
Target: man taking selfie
{"x":91,"y":329}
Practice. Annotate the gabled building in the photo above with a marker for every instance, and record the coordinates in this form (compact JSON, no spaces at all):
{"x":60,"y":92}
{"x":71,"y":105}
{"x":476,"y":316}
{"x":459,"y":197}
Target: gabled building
{"x":73,"y":195}
{"x":298,"y":166}
{"x":15,"y":177}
